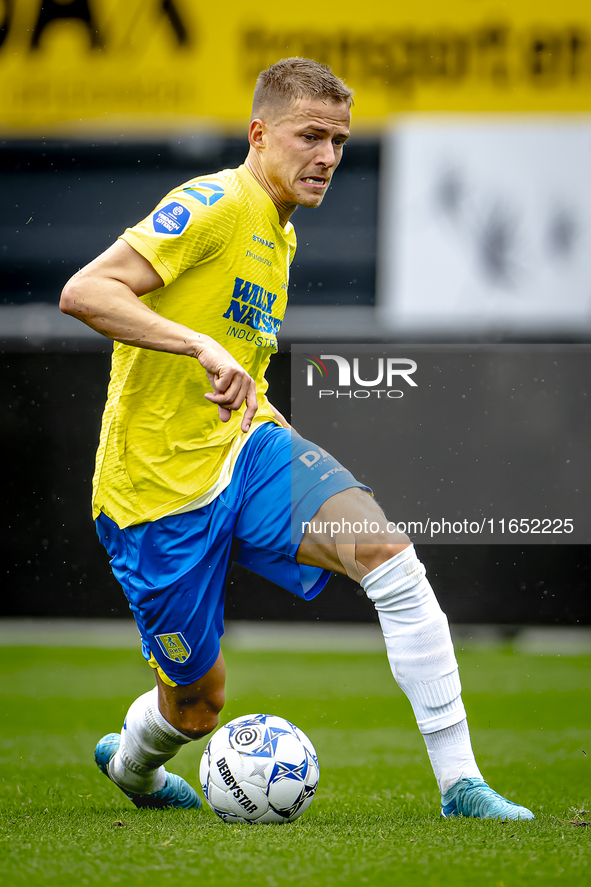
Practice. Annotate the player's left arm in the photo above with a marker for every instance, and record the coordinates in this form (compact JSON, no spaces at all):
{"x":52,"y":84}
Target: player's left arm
{"x":105,"y":296}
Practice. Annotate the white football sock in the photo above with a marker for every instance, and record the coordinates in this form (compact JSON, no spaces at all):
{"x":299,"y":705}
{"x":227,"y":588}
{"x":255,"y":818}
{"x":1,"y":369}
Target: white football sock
{"x":451,"y":756}
{"x":422,"y":660}
{"x":147,"y":742}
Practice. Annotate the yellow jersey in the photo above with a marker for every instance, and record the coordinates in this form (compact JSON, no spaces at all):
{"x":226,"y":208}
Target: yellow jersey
{"x":224,"y":258}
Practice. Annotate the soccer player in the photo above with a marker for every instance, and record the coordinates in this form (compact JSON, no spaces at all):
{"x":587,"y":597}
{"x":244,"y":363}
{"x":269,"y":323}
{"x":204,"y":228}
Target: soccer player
{"x":195,"y":463}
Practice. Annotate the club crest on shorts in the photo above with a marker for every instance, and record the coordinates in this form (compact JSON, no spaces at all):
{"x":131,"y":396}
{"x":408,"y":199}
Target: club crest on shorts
{"x":174,"y":646}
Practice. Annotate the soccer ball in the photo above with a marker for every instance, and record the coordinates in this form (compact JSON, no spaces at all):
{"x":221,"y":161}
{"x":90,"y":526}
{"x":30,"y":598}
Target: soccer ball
{"x":259,"y":768}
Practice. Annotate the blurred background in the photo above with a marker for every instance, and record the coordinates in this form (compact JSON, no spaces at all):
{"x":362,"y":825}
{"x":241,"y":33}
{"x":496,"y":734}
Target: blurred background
{"x":461,"y":213}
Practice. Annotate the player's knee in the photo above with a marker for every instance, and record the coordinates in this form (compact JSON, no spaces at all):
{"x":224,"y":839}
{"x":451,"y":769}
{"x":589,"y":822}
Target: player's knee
{"x":373,"y":554}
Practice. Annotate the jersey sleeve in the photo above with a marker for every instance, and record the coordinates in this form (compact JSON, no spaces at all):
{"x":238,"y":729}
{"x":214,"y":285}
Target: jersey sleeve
{"x":192,"y":224}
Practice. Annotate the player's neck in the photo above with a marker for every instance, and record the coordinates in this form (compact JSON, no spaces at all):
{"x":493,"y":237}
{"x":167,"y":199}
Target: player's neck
{"x":254,"y":166}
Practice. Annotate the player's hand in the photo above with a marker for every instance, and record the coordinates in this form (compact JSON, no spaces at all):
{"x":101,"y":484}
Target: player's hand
{"x":232,"y":385}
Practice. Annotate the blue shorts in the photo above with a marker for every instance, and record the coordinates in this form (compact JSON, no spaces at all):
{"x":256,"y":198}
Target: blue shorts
{"x":173,"y":570}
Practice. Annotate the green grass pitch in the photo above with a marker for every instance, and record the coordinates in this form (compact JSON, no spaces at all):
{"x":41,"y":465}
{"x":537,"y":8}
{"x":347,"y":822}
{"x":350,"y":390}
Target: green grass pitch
{"x":375,"y":818}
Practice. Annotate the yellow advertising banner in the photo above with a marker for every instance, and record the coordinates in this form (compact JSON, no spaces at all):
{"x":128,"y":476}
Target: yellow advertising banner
{"x":161,"y":64}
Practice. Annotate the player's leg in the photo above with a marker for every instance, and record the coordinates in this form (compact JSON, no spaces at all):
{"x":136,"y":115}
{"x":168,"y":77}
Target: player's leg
{"x":173,"y":573}
{"x":416,"y":631}
{"x":193,"y":709}
{"x":156,"y":727}
{"x":350,"y":534}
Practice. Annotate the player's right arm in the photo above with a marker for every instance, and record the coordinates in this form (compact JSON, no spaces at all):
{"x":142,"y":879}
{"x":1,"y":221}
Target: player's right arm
{"x":104,"y":295}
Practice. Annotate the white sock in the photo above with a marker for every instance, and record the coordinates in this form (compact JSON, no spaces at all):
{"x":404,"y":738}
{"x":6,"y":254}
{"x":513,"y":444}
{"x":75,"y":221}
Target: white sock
{"x":147,"y":742}
{"x":421,"y":656}
{"x":451,"y":756}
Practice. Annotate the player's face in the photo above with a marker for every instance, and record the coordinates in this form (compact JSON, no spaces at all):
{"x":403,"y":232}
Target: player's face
{"x":302,"y":149}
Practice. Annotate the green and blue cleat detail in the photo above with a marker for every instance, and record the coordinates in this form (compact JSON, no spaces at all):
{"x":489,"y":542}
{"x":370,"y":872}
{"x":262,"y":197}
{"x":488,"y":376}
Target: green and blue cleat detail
{"x":475,"y":798}
{"x":176,"y":792}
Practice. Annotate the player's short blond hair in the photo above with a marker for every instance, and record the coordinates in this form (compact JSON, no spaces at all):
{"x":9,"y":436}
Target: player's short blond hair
{"x":297,"y":78}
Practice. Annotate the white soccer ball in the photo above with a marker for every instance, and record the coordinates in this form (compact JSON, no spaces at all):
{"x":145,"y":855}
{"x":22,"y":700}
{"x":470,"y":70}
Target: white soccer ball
{"x":259,"y":768}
